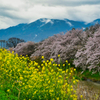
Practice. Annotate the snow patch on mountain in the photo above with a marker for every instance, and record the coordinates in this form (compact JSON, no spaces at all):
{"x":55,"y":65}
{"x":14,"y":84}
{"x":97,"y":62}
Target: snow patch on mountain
{"x":46,"y":20}
{"x":69,"y":23}
{"x":42,"y":25}
{"x":83,"y":28}
{"x":35,"y":36}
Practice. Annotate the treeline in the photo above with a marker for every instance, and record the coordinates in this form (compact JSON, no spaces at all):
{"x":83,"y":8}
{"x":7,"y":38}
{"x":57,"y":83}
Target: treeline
{"x":13,"y":41}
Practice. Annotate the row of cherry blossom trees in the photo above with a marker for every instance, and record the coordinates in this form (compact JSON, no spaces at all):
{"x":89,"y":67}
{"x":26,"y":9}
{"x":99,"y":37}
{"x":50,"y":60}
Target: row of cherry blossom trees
{"x":88,"y":57}
{"x":81,"y":46}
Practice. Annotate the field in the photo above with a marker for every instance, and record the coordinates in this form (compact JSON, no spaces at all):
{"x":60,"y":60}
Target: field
{"x":23,"y":79}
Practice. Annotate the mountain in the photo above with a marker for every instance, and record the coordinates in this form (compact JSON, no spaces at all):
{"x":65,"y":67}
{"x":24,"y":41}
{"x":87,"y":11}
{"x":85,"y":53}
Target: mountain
{"x":42,"y":29}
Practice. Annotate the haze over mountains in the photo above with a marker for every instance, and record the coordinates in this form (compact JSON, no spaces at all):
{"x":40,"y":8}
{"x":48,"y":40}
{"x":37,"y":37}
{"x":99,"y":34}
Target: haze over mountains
{"x":42,"y":29}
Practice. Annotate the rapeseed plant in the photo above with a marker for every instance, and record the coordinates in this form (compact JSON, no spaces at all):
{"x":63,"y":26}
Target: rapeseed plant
{"x":30,"y":81}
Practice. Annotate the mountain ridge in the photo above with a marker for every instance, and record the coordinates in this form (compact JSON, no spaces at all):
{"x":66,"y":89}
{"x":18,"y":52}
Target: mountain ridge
{"x":42,"y":29}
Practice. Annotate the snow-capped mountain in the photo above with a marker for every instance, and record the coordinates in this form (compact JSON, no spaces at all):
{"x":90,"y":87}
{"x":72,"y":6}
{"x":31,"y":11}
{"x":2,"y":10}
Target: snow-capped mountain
{"x":42,"y":29}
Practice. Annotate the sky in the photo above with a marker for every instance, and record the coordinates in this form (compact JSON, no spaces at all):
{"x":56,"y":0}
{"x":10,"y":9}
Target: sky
{"x":14,"y":12}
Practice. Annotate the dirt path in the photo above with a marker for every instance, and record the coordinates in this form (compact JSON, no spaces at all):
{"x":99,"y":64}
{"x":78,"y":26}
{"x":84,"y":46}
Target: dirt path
{"x":89,"y":90}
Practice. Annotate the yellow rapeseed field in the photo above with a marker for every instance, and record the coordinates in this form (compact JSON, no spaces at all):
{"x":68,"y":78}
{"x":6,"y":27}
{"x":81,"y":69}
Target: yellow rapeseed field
{"x":31,"y":81}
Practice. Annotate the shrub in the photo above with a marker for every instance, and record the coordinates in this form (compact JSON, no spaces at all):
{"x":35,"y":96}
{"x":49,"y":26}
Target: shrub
{"x":25,"y":48}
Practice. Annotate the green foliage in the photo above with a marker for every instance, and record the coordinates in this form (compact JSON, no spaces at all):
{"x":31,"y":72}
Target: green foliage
{"x":5,"y":96}
{"x":73,"y":28}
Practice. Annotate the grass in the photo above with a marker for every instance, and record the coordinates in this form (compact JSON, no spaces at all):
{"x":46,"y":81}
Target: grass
{"x":5,"y":96}
{"x":22,"y":79}
{"x":88,"y":75}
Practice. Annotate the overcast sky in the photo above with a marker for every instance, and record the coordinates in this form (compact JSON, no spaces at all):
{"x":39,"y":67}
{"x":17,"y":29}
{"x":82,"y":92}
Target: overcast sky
{"x":13,"y":12}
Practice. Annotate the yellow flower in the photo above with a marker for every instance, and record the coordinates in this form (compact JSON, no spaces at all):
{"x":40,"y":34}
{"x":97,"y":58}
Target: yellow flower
{"x":59,"y":69}
{"x":23,"y":71}
{"x":43,"y":61}
{"x":74,"y":98}
{"x":16,"y":55}
{"x":69,"y":64}
{"x":77,"y":80}
{"x":63,"y":71}
{"x":74,"y":82}
{"x":58,"y":98}
{"x":66,"y":70}
{"x":51,"y":59}
{"x":71,"y":71}
{"x":47,"y":60}
{"x":71,"y":89}
{"x":23,"y":83}
{"x":73,"y":77}
{"x":43,"y":68}
{"x":35,"y":64}
{"x":0,"y":58}
{"x":46,"y":64}
{"x":74,"y":69}
{"x":34,"y":92}
{"x":58,"y":64}
{"x":41,"y":64}
{"x":68,"y":89}
{"x":18,"y":70}
{"x":69,"y":74}
{"x":71,"y":96}
{"x":8,"y":90}
{"x":63,"y":64}
{"x":1,"y":85}
{"x":21,"y":78}
{"x":58,"y":55}
{"x":27,"y":93}
{"x":49,"y":63}
{"x":81,"y":96}
{"x":42,"y":57}
{"x":66,"y":84}
{"x":60,"y":76}
{"x":38,"y":66}
{"x":66,"y":61}
{"x":53,"y":64}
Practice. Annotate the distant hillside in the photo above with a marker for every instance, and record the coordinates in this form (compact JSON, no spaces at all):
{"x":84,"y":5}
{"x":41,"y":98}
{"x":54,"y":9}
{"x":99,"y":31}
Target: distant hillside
{"x":42,"y":29}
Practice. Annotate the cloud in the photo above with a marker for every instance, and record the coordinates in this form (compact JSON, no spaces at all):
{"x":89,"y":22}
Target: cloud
{"x":85,"y":13}
{"x":64,"y":2}
{"x":13,"y":12}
